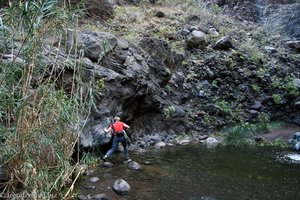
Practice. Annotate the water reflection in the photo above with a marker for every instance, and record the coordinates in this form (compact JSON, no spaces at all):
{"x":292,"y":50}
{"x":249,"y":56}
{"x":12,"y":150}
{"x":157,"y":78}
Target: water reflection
{"x":195,"y":172}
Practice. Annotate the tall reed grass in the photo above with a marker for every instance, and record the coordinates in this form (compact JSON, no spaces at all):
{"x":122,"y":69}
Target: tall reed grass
{"x":39,"y":113}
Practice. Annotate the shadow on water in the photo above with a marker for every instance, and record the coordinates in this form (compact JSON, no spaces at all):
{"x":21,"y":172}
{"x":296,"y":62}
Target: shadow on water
{"x":194,"y":172}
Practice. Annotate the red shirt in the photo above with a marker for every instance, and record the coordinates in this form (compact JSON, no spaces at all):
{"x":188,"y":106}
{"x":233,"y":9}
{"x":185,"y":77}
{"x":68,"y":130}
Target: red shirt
{"x":117,"y":126}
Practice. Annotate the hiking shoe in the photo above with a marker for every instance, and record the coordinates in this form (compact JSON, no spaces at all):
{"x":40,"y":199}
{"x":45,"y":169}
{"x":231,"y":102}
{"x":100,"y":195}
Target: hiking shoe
{"x":104,"y":158}
{"x":127,"y":160}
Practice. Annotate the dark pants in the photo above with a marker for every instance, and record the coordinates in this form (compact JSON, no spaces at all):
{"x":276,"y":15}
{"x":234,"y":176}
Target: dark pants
{"x":114,"y":147}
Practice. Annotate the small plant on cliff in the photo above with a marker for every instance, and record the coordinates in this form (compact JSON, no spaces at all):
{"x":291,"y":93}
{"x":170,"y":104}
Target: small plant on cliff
{"x":168,"y":111}
{"x":276,"y":83}
{"x":290,"y":87}
{"x":277,"y":98}
{"x":256,"y":88}
{"x":224,"y":105}
{"x":216,"y":9}
{"x":229,"y":62}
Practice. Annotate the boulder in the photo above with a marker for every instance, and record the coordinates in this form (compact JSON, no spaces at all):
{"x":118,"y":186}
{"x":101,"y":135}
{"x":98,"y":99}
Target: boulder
{"x":99,"y":197}
{"x":193,"y":17}
{"x":159,"y":14}
{"x":213,"y":32}
{"x":211,"y":142}
{"x":82,"y":197}
{"x":94,"y":179}
{"x":297,"y":146}
{"x":160,"y":145}
{"x":270,"y":49}
{"x":9,"y":58}
{"x":297,"y":83}
{"x":97,"y":44}
{"x":256,"y":105}
{"x":196,"y":39}
{"x":224,"y":43}
{"x":202,"y":137}
{"x":183,"y":141}
{"x":294,"y":45}
{"x":134,"y":165}
{"x":107,"y":164}
{"x":121,"y":187}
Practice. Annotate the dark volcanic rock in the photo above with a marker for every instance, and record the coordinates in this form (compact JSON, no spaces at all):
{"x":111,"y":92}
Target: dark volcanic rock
{"x":283,"y":12}
{"x":224,"y":43}
{"x":294,"y":45}
{"x":161,"y":59}
{"x":99,"y":9}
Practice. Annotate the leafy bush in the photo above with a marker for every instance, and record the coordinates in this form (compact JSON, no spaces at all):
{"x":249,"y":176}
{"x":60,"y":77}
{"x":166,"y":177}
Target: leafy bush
{"x":239,"y":135}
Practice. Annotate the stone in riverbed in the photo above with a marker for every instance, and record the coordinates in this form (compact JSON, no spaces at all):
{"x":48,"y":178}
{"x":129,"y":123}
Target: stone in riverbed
{"x":94,"y":179}
{"x":107,"y":164}
{"x":159,"y":145}
{"x":134,"y":165}
{"x":202,"y":137}
{"x":99,"y":197}
{"x":90,"y":187}
{"x":211,"y":142}
{"x":184,"y":141}
{"x":121,"y":187}
{"x":82,"y":197}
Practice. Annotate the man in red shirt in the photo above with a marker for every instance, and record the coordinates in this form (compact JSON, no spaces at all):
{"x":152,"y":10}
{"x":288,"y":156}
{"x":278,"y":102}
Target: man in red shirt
{"x":119,"y":136}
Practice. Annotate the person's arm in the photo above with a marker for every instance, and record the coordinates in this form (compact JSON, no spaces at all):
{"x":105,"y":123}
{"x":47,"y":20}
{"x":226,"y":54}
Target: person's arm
{"x":125,"y":126}
{"x":107,"y":129}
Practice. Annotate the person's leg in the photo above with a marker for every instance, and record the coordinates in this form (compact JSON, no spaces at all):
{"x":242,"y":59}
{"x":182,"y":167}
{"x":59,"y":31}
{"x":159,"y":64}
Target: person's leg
{"x":113,"y":148}
{"x":125,"y":145}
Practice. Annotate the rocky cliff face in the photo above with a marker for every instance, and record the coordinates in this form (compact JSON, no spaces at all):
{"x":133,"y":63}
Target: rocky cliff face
{"x":212,"y":82}
{"x":158,"y":91}
{"x":285,"y":13}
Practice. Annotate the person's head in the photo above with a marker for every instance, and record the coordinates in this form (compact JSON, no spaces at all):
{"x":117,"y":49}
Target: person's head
{"x":117,"y":119}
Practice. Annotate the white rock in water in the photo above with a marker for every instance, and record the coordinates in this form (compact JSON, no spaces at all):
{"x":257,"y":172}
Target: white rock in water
{"x":160,"y":145}
{"x":121,"y":187}
{"x":183,"y":142}
{"x":211,"y":142}
{"x":294,"y":156}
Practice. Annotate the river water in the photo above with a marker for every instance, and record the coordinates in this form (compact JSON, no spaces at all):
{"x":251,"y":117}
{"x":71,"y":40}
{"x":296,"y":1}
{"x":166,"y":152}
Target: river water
{"x":194,"y":172}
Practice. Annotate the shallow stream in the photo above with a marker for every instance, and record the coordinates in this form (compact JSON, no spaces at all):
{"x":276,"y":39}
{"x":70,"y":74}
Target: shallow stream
{"x":195,"y":172}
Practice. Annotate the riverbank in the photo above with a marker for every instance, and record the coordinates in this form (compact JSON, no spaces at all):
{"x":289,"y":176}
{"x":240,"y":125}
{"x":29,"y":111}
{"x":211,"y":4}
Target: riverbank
{"x":284,"y":132}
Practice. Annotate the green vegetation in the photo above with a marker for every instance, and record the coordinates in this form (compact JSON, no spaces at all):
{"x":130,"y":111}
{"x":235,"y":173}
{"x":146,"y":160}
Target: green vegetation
{"x":229,"y":62}
{"x":224,"y":105}
{"x":289,"y":87}
{"x":239,"y":134}
{"x":242,"y":133}
{"x":276,"y":98}
{"x":286,"y":85}
{"x":168,"y":111}
{"x":256,"y":88}
{"x":39,"y":113}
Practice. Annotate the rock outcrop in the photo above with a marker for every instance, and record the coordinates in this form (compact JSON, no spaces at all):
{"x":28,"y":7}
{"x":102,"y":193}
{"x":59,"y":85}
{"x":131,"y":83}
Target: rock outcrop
{"x":285,"y":13}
